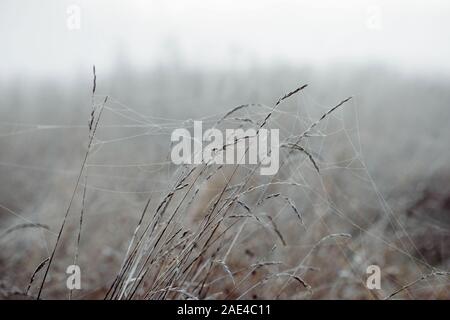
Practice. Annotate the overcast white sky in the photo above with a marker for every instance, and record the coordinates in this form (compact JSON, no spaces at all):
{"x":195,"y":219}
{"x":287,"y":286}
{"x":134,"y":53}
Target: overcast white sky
{"x":36,"y":40}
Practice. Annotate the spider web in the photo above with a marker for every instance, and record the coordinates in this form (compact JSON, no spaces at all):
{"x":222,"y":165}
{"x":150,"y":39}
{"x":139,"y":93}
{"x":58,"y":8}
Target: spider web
{"x":109,"y":169}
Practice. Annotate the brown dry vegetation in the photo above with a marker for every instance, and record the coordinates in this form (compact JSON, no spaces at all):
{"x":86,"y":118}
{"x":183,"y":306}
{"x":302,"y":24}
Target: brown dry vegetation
{"x":159,"y":231}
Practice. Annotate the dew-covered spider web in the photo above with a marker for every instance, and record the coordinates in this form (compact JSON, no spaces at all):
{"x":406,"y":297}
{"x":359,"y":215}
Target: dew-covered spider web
{"x":311,"y":230}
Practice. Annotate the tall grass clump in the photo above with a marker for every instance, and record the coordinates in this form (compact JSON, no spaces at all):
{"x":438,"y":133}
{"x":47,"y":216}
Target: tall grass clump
{"x":174,"y":256}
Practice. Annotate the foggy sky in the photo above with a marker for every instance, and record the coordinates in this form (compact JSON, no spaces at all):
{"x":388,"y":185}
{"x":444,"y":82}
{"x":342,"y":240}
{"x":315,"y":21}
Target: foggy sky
{"x":36,"y":39}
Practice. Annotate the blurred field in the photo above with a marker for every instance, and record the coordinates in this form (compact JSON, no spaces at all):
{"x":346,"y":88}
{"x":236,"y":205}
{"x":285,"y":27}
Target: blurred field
{"x":384,"y":170}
